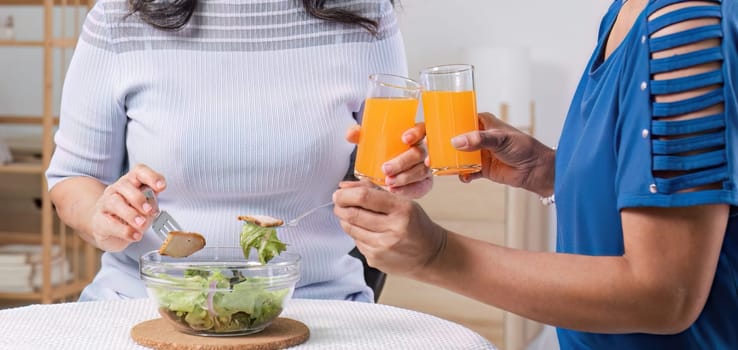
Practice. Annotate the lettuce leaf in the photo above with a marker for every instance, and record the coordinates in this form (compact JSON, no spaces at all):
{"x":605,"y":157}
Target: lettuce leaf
{"x":263,"y":239}
{"x":235,"y":306}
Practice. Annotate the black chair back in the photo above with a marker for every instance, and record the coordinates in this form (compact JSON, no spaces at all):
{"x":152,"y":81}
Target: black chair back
{"x":374,"y":278}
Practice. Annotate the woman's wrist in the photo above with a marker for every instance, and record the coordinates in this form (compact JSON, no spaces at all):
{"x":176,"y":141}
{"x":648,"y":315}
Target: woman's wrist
{"x":436,"y":259}
{"x":545,"y":173}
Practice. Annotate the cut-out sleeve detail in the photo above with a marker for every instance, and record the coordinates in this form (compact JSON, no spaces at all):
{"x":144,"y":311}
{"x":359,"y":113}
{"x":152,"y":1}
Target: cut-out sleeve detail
{"x":689,"y":126}
{"x":673,"y":86}
{"x":677,"y":62}
{"x":682,"y":15}
{"x":687,"y":37}
{"x":686,"y":89}
{"x":690,"y":105}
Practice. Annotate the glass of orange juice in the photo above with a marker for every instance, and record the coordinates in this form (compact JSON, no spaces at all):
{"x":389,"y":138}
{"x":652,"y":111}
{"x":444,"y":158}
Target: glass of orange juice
{"x":449,"y":109}
{"x":389,"y":110}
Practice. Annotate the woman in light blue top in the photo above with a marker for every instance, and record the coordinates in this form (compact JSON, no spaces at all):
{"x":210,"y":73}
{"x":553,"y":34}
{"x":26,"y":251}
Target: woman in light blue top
{"x":225,"y":108}
{"x":645,"y":182}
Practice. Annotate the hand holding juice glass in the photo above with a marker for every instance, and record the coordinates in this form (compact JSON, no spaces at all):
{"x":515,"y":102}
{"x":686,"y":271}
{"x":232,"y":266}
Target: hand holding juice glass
{"x":449,"y":108}
{"x":389,"y":111}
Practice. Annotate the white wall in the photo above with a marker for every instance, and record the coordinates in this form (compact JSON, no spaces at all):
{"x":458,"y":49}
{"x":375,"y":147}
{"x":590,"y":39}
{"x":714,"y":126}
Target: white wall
{"x":560,"y":36}
{"x":21,"y":68}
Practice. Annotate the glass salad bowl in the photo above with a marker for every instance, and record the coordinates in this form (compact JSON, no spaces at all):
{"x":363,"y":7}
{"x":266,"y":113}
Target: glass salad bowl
{"x":218,"y":292}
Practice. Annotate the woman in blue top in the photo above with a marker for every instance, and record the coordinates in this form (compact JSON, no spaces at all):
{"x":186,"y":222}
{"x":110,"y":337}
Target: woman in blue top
{"x":645,"y":188}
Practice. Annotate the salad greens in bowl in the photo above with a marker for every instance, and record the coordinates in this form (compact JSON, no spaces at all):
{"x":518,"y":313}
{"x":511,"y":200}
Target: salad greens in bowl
{"x":219,"y":292}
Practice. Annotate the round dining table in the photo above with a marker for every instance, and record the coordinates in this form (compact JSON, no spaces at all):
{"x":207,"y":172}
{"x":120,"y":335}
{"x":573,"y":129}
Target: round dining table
{"x":332,"y":324}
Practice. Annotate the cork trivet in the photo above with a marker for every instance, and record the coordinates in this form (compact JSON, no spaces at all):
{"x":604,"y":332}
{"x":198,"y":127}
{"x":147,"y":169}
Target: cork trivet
{"x":159,"y":334}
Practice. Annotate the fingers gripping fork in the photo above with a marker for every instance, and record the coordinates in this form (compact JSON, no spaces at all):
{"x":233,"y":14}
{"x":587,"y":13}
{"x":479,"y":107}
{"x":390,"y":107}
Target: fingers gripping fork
{"x":163,"y":222}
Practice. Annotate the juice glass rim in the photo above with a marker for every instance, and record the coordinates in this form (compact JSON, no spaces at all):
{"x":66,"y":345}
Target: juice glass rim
{"x":447,"y":69}
{"x":376,"y":78}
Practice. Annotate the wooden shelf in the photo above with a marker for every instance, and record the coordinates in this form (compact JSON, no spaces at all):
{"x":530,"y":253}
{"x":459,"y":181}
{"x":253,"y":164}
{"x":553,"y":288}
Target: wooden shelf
{"x":24,"y":238}
{"x":60,"y":291}
{"x":83,"y":258}
{"x":62,"y":43}
{"x":21,"y":296}
{"x":25,"y":120}
{"x":28,"y":162}
{"x":59,"y":43}
{"x":41,"y":3}
{"x":22,"y":168}
{"x":22,"y":43}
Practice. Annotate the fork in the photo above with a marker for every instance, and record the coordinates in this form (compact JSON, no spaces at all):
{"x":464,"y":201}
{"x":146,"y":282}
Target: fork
{"x":163,"y":222}
{"x":294,"y":221}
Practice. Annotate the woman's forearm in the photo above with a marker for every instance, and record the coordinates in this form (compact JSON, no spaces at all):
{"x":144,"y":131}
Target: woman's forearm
{"x":586,"y":293}
{"x":75,"y":201}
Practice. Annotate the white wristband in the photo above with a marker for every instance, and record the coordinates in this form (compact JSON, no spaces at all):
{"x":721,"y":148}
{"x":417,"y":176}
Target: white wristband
{"x":548,"y":200}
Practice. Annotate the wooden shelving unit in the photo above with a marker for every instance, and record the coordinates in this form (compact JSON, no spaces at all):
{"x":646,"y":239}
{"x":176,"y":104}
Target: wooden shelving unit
{"x":82,"y":257}
{"x":43,"y":3}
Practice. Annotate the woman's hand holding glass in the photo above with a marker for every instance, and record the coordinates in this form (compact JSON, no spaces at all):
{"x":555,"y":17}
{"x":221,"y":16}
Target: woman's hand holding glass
{"x":407,"y":175}
{"x":509,"y":156}
{"x":393,"y":233}
{"x":121,"y":213}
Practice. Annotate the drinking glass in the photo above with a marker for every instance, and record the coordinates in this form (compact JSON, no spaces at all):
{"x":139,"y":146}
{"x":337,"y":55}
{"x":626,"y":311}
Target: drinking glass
{"x":449,"y":109}
{"x":389,"y":110}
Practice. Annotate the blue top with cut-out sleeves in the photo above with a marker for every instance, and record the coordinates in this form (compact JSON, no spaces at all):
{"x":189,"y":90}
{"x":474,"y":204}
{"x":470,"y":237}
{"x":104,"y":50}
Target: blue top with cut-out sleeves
{"x":628,"y":143}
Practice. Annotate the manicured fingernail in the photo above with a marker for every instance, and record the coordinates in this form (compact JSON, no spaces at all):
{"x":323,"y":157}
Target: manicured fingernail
{"x":387,"y":169}
{"x":160,"y":184}
{"x":136,"y":236}
{"x":139,"y":221}
{"x":389,"y":181}
{"x":147,"y":208}
{"x":458,"y":141}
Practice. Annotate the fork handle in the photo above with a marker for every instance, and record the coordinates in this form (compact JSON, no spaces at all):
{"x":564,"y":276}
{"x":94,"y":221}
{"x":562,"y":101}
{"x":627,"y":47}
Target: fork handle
{"x":150,"y":195}
{"x":295,"y":220}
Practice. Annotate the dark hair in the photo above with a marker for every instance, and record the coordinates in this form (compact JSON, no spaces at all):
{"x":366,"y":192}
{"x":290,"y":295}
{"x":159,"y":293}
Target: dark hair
{"x":176,"y":13}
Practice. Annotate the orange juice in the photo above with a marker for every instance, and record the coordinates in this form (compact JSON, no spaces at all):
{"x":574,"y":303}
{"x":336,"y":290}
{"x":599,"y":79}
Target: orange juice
{"x":384,"y":121}
{"x":448,"y":114}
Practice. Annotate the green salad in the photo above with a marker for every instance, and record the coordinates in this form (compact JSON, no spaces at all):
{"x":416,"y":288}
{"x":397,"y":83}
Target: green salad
{"x":213,"y":302}
{"x":263,"y":239}
{"x":225,"y":301}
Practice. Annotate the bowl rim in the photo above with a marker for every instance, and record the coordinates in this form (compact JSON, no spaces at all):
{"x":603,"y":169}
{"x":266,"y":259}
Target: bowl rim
{"x":291,"y":258}
{"x":148,"y":267}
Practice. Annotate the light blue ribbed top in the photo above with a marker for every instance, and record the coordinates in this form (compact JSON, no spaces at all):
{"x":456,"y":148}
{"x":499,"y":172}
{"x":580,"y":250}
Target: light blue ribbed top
{"x":244,"y":111}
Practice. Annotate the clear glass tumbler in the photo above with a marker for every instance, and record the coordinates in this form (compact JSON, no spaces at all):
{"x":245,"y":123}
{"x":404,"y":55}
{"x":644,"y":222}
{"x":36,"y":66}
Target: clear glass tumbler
{"x":389,"y":110}
{"x":449,"y":109}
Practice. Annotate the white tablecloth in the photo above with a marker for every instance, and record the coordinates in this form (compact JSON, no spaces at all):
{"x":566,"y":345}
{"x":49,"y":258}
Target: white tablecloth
{"x":333,"y":325}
